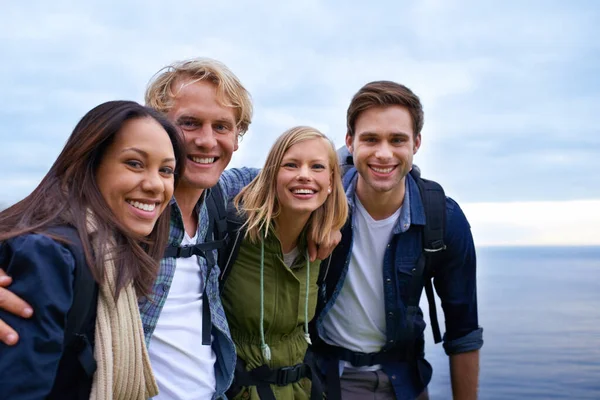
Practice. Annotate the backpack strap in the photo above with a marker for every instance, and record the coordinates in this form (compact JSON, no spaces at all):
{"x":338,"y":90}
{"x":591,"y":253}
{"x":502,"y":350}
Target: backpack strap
{"x":236,"y":232}
{"x":217,"y":227}
{"x":85,"y":291}
{"x":434,"y":203}
{"x":215,"y":204}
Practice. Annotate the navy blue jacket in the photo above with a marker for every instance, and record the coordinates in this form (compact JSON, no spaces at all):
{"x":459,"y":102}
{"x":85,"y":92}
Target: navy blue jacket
{"x":454,"y":280}
{"x":39,"y":366}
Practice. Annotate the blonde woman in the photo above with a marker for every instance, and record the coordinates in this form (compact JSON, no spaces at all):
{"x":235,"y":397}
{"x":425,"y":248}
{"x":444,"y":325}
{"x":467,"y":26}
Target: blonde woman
{"x":270,"y":292}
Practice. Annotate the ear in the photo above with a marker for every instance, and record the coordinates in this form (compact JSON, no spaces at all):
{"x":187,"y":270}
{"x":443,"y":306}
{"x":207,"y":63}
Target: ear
{"x":417,"y":144}
{"x":349,"y":142}
{"x":236,"y":144}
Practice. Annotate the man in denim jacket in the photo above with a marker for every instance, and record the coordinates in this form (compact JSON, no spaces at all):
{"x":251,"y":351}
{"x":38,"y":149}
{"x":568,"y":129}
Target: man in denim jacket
{"x":363,"y":307}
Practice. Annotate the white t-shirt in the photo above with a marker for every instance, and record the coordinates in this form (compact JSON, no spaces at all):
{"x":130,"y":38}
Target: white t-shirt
{"x":357,"y":319}
{"x":183,"y":367}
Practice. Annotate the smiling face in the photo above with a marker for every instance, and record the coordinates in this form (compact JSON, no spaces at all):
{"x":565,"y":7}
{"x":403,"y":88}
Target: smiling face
{"x":209,"y":129}
{"x":304,"y":178}
{"x":135,"y":175}
{"x":382,"y":148}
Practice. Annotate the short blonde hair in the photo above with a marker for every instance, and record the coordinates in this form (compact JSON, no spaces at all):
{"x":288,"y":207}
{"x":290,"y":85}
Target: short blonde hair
{"x":259,"y":199}
{"x":230,"y":91}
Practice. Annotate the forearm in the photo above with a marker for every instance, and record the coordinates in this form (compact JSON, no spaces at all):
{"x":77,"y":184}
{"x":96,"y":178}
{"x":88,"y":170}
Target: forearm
{"x":464,"y":374}
{"x":234,"y":180}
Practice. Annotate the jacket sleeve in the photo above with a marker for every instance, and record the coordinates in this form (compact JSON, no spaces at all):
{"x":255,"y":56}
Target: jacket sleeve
{"x":235,"y":179}
{"x":455,"y":283}
{"x":42,"y":272}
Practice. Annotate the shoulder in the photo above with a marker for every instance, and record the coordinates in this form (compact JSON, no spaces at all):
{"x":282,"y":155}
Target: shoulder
{"x":234,"y":175}
{"x":39,"y":247}
{"x":33,"y":259}
{"x":455,"y":217}
{"x":43,"y":274}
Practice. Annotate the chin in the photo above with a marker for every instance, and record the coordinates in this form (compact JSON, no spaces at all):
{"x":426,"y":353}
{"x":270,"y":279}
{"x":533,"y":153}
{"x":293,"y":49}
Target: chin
{"x":141,"y":231}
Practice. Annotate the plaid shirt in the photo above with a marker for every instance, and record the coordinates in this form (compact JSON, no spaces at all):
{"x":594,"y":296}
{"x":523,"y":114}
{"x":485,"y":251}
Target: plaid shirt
{"x":232,"y":181}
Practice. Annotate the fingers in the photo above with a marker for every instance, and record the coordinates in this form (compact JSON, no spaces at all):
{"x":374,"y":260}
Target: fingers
{"x":12,"y":303}
{"x":325,"y":249}
{"x":5,"y":280}
{"x":312,"y":250}
{"x":7,"y":335}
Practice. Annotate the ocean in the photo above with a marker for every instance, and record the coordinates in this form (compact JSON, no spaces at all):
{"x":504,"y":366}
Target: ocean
{"x":540,"y":311}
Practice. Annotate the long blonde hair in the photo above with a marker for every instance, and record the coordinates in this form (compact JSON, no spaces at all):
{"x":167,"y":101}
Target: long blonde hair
{"x":259,"y":199}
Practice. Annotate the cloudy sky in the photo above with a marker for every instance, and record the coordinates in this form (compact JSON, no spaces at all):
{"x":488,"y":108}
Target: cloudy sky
{"x":511,"y":91}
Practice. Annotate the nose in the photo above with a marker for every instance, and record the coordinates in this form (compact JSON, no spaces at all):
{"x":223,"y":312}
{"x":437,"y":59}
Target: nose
{"x":304,"y":173}
{"x":384,"y":151}
{"x":204,"y":138}
{"x":153,"y":182}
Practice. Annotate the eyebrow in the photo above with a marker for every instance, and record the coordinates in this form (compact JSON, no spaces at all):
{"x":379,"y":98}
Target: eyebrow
{"x":313,"y":160}
{"x":369,"y":133}
{"x":219,"y":120}
{"x":143,"y":153}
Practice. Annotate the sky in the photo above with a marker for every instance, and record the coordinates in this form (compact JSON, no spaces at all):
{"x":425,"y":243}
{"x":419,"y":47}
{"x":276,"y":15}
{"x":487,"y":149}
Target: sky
{"x":511,"y":89}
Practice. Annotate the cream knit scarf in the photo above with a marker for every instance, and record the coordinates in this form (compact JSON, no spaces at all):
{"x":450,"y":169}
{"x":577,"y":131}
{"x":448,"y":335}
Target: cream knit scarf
{"x":124,"y":371}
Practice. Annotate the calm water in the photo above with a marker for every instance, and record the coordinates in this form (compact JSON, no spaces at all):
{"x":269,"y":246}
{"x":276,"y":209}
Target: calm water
{"x":540,"y":310}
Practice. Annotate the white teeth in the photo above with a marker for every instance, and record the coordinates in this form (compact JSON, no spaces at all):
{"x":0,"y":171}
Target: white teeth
{"x":382,"y":170}
{"x":208,"y":160}
{"x":303,"y":191}
{"x":142,"y":206}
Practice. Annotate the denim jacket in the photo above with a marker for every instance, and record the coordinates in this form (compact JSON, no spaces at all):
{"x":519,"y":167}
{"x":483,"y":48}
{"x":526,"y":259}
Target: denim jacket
{"x":454,"y":280}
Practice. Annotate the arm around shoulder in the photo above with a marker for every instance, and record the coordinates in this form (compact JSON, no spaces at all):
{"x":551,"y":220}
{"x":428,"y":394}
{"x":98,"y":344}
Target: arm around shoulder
{"x":42,"y":272}
{"x":233,"y":180}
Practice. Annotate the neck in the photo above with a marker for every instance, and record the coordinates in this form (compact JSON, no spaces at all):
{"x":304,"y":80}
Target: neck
{"x":186,"y":200}
{"x":288,"y":228}
{"x":380,"y":205}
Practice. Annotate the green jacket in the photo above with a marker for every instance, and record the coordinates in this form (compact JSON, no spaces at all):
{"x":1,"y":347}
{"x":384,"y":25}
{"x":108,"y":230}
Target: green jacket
{"x":284,"y":311}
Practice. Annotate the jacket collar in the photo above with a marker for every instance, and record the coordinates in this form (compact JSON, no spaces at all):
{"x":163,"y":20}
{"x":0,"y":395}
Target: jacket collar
{"x":412,"y":211}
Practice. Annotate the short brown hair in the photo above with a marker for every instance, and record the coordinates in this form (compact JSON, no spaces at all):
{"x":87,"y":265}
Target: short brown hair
{"x":382,"y":94}
{"x":230,"y":91}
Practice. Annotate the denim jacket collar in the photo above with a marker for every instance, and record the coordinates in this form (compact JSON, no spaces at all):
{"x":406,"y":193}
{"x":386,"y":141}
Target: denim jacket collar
{"x":412,"y":211}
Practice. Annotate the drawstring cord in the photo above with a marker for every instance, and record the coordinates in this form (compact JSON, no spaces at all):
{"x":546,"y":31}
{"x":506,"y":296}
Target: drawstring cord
{"x":264,"y":347}
{"x":306,"y":335}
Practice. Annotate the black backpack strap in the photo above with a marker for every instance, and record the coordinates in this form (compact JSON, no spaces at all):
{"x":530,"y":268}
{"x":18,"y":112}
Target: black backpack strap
{"x":85,"y":292}
{"x":236,"y":232}
{"x":217,"y":227}
{"x":263,"y":377}
{"x":434,"y":203}
{"x":217,"y":214}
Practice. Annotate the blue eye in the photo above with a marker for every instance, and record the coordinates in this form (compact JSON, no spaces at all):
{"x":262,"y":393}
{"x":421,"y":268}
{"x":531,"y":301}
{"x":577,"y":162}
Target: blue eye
{"x":189,"y":124}
{"x":222,"y":127}
{"x":318,"y":166}
{"x":290,"y":165}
